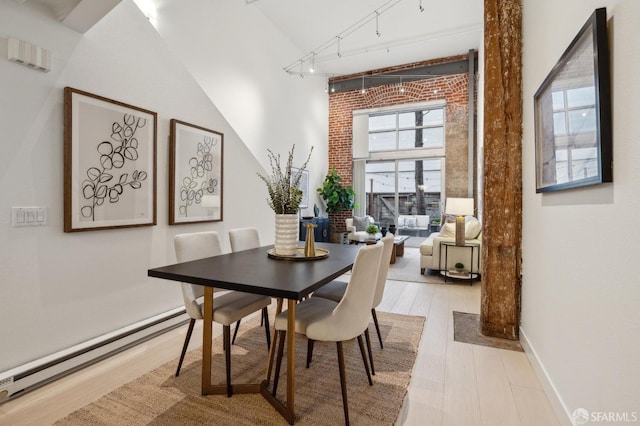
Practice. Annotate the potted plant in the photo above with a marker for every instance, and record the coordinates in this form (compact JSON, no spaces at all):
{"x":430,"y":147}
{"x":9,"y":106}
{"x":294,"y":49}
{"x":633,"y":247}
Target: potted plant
{"x":337,"y":198}
{"x":372,"y":230}
{"x":459,"y":267}
{"x":284,"y":199}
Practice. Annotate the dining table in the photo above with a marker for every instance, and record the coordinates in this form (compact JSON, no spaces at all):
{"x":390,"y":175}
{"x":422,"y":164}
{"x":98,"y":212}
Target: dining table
{"x":256,"y":271}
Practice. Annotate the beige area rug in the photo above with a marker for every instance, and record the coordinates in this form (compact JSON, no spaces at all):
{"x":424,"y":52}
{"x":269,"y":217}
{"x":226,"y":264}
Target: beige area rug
{"x":466,"y":329}
{"x":407,"y":268}
{"x":159,"y":398}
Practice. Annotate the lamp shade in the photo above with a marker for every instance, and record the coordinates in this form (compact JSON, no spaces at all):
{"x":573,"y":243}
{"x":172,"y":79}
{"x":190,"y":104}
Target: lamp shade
{"x":459,"y":206}
{"x":210,"y":201}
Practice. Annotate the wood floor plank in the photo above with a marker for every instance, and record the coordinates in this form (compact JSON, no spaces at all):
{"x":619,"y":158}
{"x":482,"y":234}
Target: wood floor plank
{"x":497,"y":405}
{"x":534,"y":407}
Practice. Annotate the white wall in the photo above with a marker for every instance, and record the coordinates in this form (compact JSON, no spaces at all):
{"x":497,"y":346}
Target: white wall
{"x":61,"y":289}
{"x":237,"y":56}
{"x":581,"y":292}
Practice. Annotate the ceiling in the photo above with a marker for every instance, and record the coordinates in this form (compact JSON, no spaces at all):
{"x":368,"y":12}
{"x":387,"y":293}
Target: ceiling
{"x":443,"y":28}
{"x":406,"y":34}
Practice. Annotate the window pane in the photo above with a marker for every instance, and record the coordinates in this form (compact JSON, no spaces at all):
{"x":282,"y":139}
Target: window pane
{"x":382,"y":141}
{"x":557,"y":99}
{"x":583,"y":96}
{"x":382,"y":122}
{"x":429,"y":117}
{"x":582,"y":121}
{"x":559,"y":124}
{"x":431,"y":138}
{"x":380,"y":204}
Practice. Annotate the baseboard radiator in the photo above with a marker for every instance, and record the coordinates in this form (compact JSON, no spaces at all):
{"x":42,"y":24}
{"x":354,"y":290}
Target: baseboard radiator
{"x":37,"y":373}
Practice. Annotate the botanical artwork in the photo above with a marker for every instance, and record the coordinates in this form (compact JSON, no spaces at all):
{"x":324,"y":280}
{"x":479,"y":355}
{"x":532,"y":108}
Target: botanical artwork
{"x":109,"y":163}
{"x":195,"y":174}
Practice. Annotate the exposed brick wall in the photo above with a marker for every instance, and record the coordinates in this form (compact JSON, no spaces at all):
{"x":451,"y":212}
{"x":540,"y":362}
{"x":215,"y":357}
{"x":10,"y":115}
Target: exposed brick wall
{"x":453,"y":89}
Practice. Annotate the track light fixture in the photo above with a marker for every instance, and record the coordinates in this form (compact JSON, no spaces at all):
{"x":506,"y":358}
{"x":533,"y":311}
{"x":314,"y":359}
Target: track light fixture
{"x":350,"y":30}
{"x":420,"y":6}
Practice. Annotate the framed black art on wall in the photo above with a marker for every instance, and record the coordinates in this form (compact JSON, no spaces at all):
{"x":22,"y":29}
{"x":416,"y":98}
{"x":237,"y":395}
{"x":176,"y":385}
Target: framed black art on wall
{"x":573,"y":128}
{"x":109,"y":163}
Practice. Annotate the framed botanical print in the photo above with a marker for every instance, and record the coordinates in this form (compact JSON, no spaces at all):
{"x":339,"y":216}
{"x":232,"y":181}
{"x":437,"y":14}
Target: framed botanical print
{"x":195,"y":174}
{"x":109,"y":163}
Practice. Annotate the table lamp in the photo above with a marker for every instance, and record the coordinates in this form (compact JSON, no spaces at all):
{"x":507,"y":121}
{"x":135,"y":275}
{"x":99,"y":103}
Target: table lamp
{"x":459,"y":207}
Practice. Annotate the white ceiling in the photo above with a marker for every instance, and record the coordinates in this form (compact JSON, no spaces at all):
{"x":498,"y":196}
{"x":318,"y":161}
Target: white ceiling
{"x":444,"y":28}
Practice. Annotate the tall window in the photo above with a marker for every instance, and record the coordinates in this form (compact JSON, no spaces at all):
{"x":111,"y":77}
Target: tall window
{"x":399,"y":171}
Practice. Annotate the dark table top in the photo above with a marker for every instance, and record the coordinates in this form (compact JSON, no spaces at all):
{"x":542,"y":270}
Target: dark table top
{"x":252,"y":271}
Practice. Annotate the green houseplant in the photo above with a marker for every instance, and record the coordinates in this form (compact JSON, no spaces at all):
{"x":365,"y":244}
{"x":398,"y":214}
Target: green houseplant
{"x":372,"y":230}
{"x":284,"y":199}
{"x":337,"y":198}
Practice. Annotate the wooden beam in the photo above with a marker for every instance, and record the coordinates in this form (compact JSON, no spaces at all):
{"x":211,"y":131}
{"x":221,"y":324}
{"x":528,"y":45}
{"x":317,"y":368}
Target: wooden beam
{"x":502,"y":221}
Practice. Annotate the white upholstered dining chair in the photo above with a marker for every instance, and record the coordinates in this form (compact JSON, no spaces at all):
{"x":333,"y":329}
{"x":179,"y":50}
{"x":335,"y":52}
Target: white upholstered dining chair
{"x":322,"y":319}
{"x":335,"y":290}
{"x":228,"y":307}
{"x":245,"y":239}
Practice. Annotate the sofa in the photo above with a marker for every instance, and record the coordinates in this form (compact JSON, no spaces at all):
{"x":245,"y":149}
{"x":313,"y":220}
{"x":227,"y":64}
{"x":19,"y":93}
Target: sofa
{"x":413,"y":225}
{"x":356,"y":229}
{"x":432,"y":258}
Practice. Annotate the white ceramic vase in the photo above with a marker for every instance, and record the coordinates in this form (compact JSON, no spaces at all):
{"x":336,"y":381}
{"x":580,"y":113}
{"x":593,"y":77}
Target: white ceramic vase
{"x":287,"y":228}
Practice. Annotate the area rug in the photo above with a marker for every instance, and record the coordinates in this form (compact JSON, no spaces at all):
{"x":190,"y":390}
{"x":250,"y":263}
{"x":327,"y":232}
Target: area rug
{"x":407,"y":268}
{"x":159,"y":398}
{"x":466,"y":329}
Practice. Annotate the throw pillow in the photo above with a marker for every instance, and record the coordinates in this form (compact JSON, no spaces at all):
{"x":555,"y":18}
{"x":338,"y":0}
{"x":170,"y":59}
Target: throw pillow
{"x":410,"y":222}
{"x":360,"y":223}
{"x":448,"y":230}
{"x":472,"y":229}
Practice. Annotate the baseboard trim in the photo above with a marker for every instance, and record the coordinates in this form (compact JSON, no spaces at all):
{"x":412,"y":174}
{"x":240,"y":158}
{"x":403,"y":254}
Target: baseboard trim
{"x":550,"y":390}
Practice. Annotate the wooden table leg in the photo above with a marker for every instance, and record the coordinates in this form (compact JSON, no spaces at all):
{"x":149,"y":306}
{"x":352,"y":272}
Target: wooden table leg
{"x":272,"y":349}
{"x":207,"y":332}
{"x":286,"y":410}
{"x":291,"y":359}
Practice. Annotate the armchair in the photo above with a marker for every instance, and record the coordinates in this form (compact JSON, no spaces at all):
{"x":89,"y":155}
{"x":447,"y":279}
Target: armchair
{"x":356,"y":229}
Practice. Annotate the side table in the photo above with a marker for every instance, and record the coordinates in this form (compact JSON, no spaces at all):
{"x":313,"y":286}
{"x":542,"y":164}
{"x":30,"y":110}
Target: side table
{"x":470,"y":276}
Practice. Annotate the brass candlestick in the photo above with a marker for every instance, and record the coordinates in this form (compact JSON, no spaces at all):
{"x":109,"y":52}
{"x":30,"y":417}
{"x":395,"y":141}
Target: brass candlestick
{"x":309,"y":244}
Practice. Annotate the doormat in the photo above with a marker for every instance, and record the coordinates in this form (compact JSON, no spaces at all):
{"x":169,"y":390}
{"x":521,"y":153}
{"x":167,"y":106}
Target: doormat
{"x":466,"y":329}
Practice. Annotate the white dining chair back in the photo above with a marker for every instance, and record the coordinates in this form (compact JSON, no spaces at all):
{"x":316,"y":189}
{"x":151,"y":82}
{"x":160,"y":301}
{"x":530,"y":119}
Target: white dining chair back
{"x":194,"y":246}
{"x":244,"y":238}
{"x":383,"y":269}
{"x":228,"y":308}
{"x":350,"y":317}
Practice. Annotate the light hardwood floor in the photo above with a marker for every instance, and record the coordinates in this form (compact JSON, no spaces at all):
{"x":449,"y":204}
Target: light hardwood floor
{"x":452,"y":383}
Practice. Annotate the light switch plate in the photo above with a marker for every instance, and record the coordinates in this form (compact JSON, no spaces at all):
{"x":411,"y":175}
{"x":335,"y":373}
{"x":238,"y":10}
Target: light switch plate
{"x":28,"y":216}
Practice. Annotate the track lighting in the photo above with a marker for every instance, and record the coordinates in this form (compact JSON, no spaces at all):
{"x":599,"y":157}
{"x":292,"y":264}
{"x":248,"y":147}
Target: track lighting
{"x":338,"y":38}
